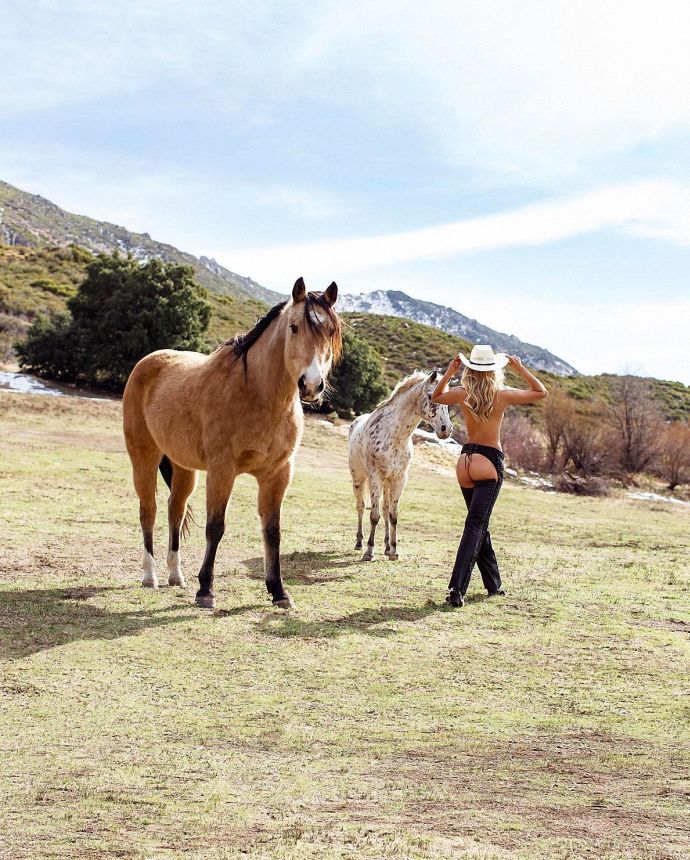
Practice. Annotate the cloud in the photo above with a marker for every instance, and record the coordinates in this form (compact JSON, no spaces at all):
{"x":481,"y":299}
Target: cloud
{"x":307,"y":203}
{"x":534,"y":89}
{"x":601,"y":337}
{"x":530,"y":90}
{"x":655,"y":209}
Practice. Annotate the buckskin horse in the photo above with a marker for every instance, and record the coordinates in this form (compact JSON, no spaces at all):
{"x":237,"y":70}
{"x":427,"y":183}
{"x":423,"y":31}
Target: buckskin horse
{"x":232,"y":412}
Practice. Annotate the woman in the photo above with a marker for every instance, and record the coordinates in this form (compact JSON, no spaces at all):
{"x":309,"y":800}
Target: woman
{"x":480,"y":467}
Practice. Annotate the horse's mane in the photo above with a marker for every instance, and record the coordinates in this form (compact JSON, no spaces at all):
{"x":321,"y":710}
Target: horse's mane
{"x":405,"y":384}
{"x":242,"y":343}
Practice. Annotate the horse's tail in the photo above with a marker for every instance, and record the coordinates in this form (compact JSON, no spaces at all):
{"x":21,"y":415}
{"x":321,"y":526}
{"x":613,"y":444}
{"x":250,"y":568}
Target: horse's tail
{"x":165,"y":467}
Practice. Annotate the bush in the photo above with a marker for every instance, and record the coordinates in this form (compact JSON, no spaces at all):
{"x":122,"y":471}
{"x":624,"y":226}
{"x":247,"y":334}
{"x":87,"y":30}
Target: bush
{"x":674,"y":454}
{"x":122,"y":311}
{"x":582,"y":485}
{"x":357,"y":382}
{"x":522,"y":443}
{"x":635,"y":422}
{"x":585,"y":442}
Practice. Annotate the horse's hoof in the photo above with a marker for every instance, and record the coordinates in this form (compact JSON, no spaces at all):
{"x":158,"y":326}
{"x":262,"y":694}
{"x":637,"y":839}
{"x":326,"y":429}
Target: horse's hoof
{"x":285,"y":602}
{"x":149,"y":582}
{"x":393,"y":556}
{"x":368,"y":556}
{"x":177,"y":579}
{"x":358,"y":545}
{"x":206,"y":601}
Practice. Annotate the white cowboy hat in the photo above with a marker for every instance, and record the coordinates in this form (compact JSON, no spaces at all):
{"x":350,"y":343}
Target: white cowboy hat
{"x":483,"y":357}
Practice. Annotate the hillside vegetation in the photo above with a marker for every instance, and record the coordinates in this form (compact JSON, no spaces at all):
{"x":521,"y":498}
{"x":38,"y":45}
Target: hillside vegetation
{"x":404,"y":345}
{"x":40,"y":280}
{"x":34,"y":280}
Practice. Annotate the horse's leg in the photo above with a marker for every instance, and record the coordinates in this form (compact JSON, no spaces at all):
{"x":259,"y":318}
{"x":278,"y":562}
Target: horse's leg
{"x":396,"y":492}
{"x":374,"y":516}
{"x":358,"y":483}
{"x":219,"y":483}
{"x":182,"y":486}
{"x":271,"y":492}
{"x":145,"y":472}
{"x":386,"y":508}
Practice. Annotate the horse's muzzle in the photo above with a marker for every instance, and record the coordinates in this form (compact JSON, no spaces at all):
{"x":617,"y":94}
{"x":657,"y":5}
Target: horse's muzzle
{"x":310,"y":393}
{"x":444,"y":431}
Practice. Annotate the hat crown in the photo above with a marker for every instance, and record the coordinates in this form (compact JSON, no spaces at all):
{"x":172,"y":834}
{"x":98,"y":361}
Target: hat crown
{"x":482,"y":353}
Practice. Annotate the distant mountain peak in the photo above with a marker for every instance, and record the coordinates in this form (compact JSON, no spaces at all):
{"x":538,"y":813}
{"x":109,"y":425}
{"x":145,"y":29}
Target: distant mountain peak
{"x":398,"y":304}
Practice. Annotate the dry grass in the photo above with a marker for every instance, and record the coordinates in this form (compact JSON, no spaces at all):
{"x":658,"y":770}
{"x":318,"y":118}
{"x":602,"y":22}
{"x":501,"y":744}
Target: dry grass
{"x":371,"y":722}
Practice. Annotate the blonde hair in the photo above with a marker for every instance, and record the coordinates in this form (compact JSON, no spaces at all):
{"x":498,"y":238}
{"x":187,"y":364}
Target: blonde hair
{"x":481,"y":387}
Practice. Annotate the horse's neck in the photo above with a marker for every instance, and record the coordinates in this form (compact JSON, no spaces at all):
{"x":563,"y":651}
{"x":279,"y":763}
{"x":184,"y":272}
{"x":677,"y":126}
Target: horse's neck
{"x":266,"y":378}
{"x":407,"y":414}
{"x":267,"y":369}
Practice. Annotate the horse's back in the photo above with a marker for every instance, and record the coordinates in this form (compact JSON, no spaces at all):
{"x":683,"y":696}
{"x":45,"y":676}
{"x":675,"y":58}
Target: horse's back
{"x":160,"y":367}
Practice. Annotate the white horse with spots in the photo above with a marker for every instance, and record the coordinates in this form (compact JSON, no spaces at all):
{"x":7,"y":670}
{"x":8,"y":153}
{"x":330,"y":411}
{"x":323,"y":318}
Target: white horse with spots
{"x":381,"y":452}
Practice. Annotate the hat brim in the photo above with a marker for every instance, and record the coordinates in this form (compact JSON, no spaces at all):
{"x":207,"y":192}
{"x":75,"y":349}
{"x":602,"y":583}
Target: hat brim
{"x":500,"y":361}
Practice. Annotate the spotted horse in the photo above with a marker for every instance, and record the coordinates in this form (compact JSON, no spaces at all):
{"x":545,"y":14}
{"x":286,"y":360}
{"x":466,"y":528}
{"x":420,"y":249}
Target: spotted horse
{"x":380,"y":452}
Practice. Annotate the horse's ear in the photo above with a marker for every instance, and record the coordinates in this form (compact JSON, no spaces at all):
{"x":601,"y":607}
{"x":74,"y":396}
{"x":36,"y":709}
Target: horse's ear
{"x":330,"y":295}
{"x":433,"y":376}
{"x":299,"y":291}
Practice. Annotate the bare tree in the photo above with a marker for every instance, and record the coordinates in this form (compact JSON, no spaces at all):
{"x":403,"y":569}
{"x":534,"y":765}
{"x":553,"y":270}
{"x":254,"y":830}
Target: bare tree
{"x":635,"y":419}
{"x":674,"y":454}
{"x":522,"y":442}
{"x":557,"y":411}
{"x":584,"y":441}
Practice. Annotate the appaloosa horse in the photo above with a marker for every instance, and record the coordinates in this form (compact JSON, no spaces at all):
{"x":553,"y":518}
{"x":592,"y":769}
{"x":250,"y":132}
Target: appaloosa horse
{"x":234,"y":411}
{"x":381,"y":452}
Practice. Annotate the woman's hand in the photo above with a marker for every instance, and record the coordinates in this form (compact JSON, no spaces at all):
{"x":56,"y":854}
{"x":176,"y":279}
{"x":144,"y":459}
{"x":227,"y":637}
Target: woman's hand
{"x":454,"y":365}
{"x":515,"y":362}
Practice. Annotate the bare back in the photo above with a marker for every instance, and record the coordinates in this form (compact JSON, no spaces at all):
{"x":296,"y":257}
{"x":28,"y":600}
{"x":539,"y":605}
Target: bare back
{"x":488,"y":432}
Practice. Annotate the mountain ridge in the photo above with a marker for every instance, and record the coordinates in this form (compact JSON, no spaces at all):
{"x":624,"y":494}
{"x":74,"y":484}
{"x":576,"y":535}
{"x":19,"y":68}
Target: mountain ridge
{"x":32,"y":220}
{"x":398,"y":304}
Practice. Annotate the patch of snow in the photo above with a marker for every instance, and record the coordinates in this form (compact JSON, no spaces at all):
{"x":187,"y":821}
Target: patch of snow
{"x":656,"y":497}
{"x":432,"y":439}
{"x":535,"y":482}
{"x":26,"y":384}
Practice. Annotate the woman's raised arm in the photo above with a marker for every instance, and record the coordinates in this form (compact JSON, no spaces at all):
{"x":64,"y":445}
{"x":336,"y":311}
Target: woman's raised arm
{"x":441,"y":394}
{"x":517,"y":396}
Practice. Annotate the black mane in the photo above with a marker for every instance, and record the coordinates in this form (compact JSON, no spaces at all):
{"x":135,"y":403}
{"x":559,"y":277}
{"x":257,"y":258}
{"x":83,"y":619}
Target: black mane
{"x":241,"y":343}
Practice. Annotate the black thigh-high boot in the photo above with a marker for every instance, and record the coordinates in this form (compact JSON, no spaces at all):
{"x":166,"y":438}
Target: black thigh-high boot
{"x":476,"y":523}
{"x":486,"y":558}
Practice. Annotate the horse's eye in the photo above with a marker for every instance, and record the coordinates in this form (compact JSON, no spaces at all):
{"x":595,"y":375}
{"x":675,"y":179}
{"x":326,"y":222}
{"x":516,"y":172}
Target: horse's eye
{"x":293,"y":328}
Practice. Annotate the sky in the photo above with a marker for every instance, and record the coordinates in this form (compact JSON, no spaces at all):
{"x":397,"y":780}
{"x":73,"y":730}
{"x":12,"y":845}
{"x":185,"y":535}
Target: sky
{"x":526,"y":163}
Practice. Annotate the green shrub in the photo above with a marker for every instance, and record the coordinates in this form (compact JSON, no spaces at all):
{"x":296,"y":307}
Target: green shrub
{"x":122,"y":311}
{"x":357,"y":382}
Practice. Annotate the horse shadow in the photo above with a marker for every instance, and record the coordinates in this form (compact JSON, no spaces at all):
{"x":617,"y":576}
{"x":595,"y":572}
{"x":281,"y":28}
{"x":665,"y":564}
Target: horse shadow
{"x":39,"y":619}
{"x":307,"y":568}
{"x":370,"y":622}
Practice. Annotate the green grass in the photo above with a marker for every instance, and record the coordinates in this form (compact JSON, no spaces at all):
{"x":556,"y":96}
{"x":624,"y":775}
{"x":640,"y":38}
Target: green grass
{"x":371,"y":721}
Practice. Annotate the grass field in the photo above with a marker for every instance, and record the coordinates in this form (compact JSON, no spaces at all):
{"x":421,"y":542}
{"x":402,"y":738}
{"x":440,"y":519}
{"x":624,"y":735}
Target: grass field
{"x":370,"y":722}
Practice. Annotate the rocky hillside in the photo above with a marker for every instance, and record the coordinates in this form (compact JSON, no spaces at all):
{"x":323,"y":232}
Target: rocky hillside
{"x":397,"y":304}
{"x":31,"y":220}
